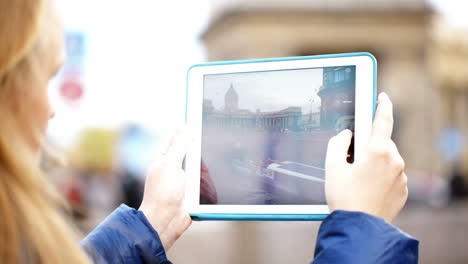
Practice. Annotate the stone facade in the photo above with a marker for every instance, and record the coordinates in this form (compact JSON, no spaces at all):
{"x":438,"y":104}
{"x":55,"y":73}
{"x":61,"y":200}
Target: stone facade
{"x":288,"y":119}
{"x":397,"y":33}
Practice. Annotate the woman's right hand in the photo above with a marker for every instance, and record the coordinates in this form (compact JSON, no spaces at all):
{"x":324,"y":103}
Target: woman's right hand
{"x":376,"y":183}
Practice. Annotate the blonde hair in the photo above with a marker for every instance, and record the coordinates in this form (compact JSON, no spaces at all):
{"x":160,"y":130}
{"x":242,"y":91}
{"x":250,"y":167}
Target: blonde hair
{"x":32,"y":226}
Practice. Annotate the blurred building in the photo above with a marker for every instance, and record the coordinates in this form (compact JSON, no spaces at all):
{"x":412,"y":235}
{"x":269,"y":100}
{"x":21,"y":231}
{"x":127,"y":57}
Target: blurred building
{"x":422,"y":65}
{"x":231,"y":116}
{"x":398,"y":32}
{"x":449,"y":61}
{"x":337,"y":95}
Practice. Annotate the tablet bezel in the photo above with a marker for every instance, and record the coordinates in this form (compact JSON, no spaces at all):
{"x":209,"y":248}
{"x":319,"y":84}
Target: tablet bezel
{"x":364,"y":101}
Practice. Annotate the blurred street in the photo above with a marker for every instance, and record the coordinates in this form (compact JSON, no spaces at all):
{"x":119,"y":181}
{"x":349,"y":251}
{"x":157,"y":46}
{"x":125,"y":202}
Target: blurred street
{"x":237,"y":161}
{"x":441,"y":232}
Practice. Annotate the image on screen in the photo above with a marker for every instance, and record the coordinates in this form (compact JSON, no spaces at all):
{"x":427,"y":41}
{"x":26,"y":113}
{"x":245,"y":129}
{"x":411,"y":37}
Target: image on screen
{"x":265,"y":134}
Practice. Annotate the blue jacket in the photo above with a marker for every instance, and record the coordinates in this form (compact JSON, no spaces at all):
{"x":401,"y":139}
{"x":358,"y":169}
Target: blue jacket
{"x":126,"y":236}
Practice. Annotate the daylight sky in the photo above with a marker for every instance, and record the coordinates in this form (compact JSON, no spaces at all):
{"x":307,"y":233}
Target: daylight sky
{"x":137,"y":57}
{"x":255,"y":90}
{"x":453,"y":11}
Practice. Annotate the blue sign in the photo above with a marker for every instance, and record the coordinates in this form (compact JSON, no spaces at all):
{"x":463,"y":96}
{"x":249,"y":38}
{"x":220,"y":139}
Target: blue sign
{"x":451,"y":143}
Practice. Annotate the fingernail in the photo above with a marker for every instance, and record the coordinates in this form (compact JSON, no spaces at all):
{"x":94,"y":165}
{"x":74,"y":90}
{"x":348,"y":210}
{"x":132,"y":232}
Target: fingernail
{"x":383,"y":96}
{"x":349,"y":132}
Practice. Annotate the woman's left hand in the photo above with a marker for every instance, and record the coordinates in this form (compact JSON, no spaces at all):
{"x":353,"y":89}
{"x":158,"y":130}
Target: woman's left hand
{"x":164,"y":194}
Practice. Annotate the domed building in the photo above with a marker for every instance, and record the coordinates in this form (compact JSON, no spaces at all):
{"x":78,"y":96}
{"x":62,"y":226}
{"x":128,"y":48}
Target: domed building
{"x":231,"y":100}
{"x":231,"y":116}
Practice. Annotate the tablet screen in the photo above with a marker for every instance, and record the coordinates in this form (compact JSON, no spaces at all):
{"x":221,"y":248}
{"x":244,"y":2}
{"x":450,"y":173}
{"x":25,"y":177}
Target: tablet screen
{"x":265,"y":134}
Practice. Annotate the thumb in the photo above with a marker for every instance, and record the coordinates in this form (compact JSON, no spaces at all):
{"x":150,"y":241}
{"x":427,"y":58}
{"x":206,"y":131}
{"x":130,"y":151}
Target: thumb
{"x":337,"y":150}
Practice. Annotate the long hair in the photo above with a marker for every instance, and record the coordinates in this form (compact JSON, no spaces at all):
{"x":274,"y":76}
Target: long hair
{"x":33,"y":228}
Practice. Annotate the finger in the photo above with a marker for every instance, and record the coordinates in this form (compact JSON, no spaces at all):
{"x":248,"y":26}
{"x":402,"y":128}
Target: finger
{"x":163,"y":148}
{"x":179,"y":147}
{"x":338,"y":146}
{"x":404,"y":179}
{"x":383,"y":122}
{"x":182,"y":176}
{"x":170,"y":140}
{"x":165,"y":143}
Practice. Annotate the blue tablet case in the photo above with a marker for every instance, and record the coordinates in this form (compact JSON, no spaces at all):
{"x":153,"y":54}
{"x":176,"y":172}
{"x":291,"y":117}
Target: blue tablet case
{"x":277,"y":217}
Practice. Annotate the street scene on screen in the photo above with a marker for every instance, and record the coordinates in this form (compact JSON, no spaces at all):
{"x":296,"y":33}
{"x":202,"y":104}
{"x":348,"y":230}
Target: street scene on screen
{"x":265,"y":134}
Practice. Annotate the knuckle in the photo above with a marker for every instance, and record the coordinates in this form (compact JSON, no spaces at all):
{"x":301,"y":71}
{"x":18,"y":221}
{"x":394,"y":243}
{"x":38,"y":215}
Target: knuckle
{"x":404,"y":180}
{"x":380,"y":151}
{"x":398,"y":163}
{"x":405,"y":193}
{"x":401,"y":164}
{"x":178,"y":234}
{"x":386,"y":118}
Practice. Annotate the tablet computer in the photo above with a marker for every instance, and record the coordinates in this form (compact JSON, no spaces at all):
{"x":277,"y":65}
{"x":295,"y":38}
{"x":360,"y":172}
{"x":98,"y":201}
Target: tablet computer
{"x":262,"y":129}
